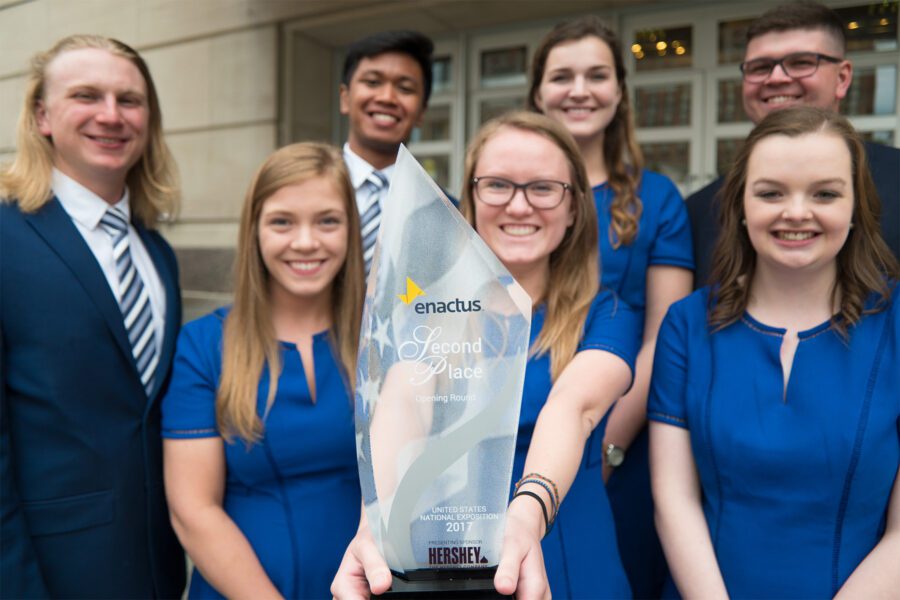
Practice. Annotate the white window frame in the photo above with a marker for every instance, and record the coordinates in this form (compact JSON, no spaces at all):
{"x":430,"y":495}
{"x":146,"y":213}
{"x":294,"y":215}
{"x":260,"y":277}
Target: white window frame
{"x":528,"y":37}
{"x":454,"y":98}
{"x":703,"y":42}
{"x":867,"y":123}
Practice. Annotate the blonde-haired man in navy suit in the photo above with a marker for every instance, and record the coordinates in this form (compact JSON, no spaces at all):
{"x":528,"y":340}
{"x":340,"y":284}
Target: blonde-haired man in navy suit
{"x":89,"y":311}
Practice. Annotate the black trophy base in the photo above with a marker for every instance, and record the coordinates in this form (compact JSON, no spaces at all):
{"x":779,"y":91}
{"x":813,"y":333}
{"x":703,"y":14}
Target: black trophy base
{"x":444,"y":584}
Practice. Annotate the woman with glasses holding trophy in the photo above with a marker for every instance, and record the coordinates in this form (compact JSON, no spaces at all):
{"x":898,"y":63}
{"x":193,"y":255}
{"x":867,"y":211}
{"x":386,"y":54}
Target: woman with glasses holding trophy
{"x":528,"y":197}
{"x":774,"y":407}
{"x":646,"y":257}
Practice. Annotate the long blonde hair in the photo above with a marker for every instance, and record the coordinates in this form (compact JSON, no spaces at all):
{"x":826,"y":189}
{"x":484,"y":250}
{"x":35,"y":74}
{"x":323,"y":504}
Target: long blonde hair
{"x":248,"y":341}
{"x":152,"y":181}
{"x":574,"y":281}
{"x":621,"y":152}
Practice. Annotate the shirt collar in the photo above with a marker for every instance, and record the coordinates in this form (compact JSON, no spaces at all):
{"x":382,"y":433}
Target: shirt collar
{"x":83,"y":205}
{"x":360,"y":169}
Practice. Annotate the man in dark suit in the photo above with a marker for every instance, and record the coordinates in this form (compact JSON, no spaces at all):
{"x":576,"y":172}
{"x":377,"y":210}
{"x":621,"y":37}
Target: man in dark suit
{"x":795,"y":56}
{"x":89,"y":312}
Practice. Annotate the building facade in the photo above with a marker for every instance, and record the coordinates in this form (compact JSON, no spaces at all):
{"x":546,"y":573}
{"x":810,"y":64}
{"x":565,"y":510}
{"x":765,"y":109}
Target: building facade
{"x":238,"y":78}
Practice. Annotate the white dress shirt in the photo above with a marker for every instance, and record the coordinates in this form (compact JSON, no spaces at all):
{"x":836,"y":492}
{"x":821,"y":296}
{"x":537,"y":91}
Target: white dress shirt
{"x":86,"y":209}
{"x":359,"y":173}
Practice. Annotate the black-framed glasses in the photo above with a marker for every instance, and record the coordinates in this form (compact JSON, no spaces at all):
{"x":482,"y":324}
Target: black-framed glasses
{"x":797,"y":65}
{"x":542,"y":194}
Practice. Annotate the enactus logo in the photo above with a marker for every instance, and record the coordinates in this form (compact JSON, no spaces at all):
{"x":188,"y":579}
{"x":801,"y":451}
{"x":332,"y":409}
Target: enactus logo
{"x":456,"y":305}
{"x":431,"y":352}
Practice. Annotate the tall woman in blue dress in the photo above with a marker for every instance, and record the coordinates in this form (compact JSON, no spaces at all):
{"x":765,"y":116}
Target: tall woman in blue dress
{"x":578,"y":78}
{"x":526,"y":193}
{"x":583,"y":340}
{"x":259,"y":449}
{"x":775,"y":441}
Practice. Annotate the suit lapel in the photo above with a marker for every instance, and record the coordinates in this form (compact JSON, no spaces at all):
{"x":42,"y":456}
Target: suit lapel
{"x":173,"y":315}
{"x":55,"y":226}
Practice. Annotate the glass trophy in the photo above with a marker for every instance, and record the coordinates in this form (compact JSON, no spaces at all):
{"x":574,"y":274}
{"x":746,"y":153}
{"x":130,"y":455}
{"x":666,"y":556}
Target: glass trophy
{"x":442,"y":355}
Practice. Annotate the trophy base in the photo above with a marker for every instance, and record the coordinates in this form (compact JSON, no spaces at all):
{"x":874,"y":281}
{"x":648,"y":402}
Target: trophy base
{"x":444,"y":584}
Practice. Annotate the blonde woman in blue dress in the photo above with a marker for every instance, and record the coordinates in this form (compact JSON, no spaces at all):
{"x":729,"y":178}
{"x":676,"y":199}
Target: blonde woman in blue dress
{"x":260,"y":454}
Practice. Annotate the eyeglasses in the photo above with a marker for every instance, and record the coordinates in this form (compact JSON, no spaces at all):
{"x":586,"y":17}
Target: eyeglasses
{"x":542,"y":194}
{"x":797,"y":65}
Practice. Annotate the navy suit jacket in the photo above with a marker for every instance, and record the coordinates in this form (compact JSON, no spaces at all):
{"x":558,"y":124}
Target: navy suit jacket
{"x":703,"y":209}
{"x":81,"y":491}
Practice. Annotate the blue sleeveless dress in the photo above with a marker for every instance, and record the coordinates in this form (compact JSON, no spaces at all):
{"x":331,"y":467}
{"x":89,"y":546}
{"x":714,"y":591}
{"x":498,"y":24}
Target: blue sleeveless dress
{"x":580,"y":551}
{"x":795,"y":483}
{"x":295,"y":493}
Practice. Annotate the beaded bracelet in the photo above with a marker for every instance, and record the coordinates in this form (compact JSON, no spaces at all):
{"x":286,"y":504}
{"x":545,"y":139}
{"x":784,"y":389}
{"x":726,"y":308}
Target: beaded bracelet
{"x":542,"y":478}
{"x":554,"y":508}
{"x":540,"y":500}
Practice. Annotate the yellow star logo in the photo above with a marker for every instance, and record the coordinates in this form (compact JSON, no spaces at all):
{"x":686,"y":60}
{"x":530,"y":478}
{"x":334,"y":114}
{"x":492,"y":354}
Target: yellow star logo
{"x":413,"y":291}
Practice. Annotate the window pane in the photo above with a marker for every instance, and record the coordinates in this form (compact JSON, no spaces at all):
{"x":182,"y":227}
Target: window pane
{"x":870,"y":26}
{"x":438,"y":167}
{"x":730,"y":104}
{"x":733,"y":40}
{"x":726,"y":151}
{"x":504,"y":66}
{"x":442,"y":74}
{"x":668,"y":158}
{"x":667,"y":105}
{"x":879,"y":137}
{"x":873,"y":91}
{"x":656,"y":49}
{"x":497,"y":106}
{"x":435,"y":125}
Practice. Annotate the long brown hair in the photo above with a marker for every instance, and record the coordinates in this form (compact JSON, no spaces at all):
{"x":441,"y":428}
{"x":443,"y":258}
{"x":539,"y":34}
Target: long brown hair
{"x":152,"y":181}
{"x":574,"y":281}
{"x":621,"y":153}
{"x":864,"y":263}
{"x":248,"y":340}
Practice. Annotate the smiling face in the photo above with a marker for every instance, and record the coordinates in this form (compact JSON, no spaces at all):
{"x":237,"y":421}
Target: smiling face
{"x":303,"y":240}
{"x":579,"y":87}
{"x":798,"y":202}
{"x":96,"y":114}
{"x":521,"y":236}
{"x":384,"y":102}
{"x":824,"y":89}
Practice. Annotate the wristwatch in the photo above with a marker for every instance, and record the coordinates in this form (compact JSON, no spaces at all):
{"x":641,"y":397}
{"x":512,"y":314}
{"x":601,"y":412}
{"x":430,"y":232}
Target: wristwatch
{"x":614,"y":455}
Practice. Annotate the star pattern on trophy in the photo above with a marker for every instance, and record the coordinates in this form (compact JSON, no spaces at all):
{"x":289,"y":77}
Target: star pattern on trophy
{"x":381,"y":335}
{"x":360,"y":454}
{"x":368,"y":391}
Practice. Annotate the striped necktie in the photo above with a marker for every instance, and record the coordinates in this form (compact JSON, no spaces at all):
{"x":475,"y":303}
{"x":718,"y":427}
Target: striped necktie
{"x":370,"y":217}
{"x":133,"y":297}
